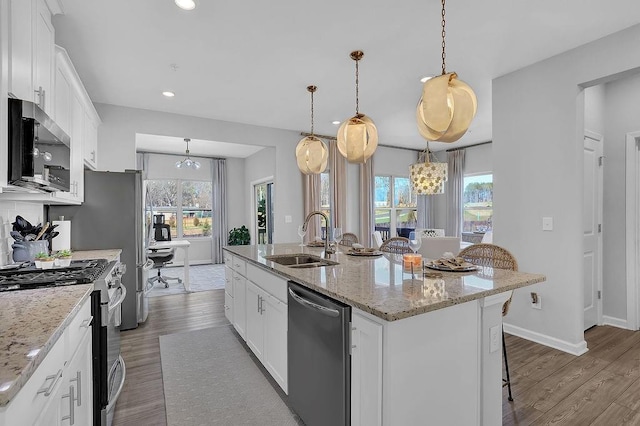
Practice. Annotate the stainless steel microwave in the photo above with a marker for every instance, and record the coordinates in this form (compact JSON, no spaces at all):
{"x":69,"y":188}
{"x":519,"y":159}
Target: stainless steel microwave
{"x":39,"y":150}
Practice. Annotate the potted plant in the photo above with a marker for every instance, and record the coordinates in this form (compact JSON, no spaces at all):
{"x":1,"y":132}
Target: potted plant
{"x":239,"y":236}
{"x":63,"y":258}
{"x":44,"y":260}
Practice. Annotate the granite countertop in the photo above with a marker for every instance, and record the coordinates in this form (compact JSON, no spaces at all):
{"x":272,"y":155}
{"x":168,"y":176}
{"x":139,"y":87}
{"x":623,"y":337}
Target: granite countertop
{"x":109,"y":254}
{"x":31,"y":322}
{"x":379,"y":286}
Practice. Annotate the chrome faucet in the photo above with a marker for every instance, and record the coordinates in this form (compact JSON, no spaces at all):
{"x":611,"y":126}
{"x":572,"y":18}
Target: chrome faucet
{"x":328,"y":251}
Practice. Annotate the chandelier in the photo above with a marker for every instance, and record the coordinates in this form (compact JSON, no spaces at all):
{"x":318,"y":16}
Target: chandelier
{"x":357,"y":136}
{"x":311,"y":153}
{"x":187,"y":162}
{"x":447,"y":105}
{"x":428,"y":177}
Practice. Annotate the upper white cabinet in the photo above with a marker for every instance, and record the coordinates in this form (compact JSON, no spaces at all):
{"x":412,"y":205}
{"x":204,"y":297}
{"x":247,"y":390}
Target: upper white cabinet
{"x":91,"y":141}
{"x":31,"y":70}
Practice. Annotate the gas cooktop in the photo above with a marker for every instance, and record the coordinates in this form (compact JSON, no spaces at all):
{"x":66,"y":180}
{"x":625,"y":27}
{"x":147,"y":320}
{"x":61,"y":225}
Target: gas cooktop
{"x":28,"y":276}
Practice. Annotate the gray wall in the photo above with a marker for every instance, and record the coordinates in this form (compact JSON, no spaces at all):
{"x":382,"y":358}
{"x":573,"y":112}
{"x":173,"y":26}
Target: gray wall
{"x":621,"y":116}
{"x":538,"y":125}
{"x":116,"y":151}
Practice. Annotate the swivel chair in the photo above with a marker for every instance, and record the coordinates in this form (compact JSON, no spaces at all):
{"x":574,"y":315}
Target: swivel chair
{"x":161,"y":257}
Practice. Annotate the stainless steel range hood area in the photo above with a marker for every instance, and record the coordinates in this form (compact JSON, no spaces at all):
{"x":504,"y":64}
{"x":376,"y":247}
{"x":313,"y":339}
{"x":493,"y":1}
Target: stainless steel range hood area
{"x":32,"y":133}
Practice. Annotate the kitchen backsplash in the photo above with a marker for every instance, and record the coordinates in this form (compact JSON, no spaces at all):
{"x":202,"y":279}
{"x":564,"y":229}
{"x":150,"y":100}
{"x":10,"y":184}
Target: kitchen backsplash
{"x":33,"y":212}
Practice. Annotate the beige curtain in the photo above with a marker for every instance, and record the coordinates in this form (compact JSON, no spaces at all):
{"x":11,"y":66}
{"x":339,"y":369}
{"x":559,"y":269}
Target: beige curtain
{"x":219,"y":231}
{"x":311,"y":195}
{"x":338,"y":168}
{"x":367,"y":214}
{"x":454,"y":192}
{"x":425,"y":212}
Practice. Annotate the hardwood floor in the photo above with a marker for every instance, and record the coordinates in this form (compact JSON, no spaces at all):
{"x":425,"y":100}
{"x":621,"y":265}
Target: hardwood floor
{"x":601,"y":387}
{"x":141,"y":402}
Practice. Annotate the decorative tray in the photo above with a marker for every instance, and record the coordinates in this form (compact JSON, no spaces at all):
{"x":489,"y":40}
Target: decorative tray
{"x":364,"y":252}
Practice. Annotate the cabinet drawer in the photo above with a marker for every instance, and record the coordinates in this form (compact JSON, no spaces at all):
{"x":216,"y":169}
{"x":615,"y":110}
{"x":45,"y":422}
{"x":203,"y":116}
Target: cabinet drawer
{"x":228,"y":307}
{"x":239,"y":265}
{"x":228,"y":258}
{"x":78,"y":327}
{"x":228,"y":280}
{"x":270,"y":283}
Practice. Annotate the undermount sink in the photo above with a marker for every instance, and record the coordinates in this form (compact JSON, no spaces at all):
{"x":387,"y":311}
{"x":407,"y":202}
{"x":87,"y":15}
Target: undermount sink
{"x":300,"y":260}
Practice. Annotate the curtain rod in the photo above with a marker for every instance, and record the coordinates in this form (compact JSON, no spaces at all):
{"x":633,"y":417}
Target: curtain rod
{"x":333,"y":138}
{"x":469,"y":146}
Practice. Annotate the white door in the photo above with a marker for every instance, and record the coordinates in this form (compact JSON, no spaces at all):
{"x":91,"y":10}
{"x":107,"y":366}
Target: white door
{"x":275,"y":339}
{"x":255,"y":320}
{"x":592,"y":228}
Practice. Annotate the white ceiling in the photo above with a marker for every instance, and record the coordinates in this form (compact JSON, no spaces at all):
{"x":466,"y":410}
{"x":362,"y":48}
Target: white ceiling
{"x":197,"y":147}
{"x":250,"y":62}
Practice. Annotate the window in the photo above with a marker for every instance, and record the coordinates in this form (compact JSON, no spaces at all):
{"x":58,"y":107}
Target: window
{"x":325,"y":198}
{"x":186,"y":206}
{"x":395,"y":206}
{"x":477,"y":200}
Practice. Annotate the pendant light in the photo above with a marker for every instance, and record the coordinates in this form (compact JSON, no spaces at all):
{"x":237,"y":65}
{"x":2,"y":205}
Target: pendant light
{"x":428,"y":177}
{"x":357,"y":136}
{"x":311,"y":153}
{"x":187,"y":163}
{"x":447,"y":105}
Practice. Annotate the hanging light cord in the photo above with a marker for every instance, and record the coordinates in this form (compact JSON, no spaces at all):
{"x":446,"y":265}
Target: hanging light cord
{"x":311,"y":113}
{"x":357,"y":84}
{"x":444,"y":55}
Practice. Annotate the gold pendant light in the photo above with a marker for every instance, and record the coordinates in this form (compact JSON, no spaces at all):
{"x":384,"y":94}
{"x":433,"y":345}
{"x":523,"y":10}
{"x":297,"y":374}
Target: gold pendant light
{"x":447,"y":105}
{"x":311,"y":153}
{"x":428,"y":177}
{"x":357,"y":136}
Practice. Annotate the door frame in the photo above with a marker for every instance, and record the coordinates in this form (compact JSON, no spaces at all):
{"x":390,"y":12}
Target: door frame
{"x":254,"y":207}
{"x":633,"y":229}
{"x":600,"y":285}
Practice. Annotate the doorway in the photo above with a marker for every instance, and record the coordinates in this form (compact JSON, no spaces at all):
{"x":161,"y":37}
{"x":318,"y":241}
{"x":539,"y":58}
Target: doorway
{"x":633,"y":229}
{"x":263,"y":212}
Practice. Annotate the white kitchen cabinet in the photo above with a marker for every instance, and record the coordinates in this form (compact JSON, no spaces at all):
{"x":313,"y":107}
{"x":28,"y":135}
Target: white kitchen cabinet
{"x":62,"y":107}
{"x":239,"y":301}
{"x":90,"y":141}
{"x":228,"y":293}
{"x":43,"y":59}
{"x":76,"y":400}
{"x":366,"y":370}
{"x":267,"y":322}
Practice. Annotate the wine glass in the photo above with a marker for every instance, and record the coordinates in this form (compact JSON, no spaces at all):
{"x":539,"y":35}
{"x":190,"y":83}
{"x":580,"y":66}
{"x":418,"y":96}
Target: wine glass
{"x":337,"y":236}
{"x":302,"y":232}
{"x":414,"y":241}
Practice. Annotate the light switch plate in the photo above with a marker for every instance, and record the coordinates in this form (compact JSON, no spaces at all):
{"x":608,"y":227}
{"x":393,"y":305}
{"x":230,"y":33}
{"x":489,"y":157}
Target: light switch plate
{"x":288,"y":219}
{"x":547,"y":224}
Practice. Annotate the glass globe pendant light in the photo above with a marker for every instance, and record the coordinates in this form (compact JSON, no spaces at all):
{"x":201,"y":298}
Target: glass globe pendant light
{"x":428,"y":177}
{"x":187,"y":162}
{"x":447,"y":105}
{"x":311,"y":153}
{"x":357,"y":137}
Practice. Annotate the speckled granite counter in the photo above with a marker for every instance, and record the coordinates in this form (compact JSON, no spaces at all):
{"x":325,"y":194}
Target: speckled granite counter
{"x":110,"y":255}
{"x":379,"y":286}
{"x":31,"y":321}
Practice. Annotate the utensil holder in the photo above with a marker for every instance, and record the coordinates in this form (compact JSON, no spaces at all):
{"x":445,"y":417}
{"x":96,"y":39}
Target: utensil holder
{"x":25,"y":251}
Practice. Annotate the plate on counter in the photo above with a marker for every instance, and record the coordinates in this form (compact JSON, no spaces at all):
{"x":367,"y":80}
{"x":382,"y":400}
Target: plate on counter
{"x":315,"y":244}
{"x":450,"y":269}
{"x":365,"y":252}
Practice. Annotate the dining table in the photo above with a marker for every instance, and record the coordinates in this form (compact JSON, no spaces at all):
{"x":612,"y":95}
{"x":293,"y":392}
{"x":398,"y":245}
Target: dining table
{"x":181,"y":244}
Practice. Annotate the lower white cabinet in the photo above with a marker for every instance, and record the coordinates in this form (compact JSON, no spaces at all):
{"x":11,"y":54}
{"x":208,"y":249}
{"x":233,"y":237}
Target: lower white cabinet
{"x":228,"y":293}
{"x":60,"y":391}
{"x":366,"y":371}
{"x":267,"y":331}
{"x":239,"y":302}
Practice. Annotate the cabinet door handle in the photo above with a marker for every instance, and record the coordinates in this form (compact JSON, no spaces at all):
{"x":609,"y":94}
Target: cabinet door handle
{"x":71,"y":417}
{"x":40,"y":93}
{"x":78,"y":380}
{"x":46,"y":390}
{"x":261,"y":305}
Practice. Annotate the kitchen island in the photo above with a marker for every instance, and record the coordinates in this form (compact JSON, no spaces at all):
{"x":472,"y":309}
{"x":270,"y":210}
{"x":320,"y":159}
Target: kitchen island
{"x":426,"y":350}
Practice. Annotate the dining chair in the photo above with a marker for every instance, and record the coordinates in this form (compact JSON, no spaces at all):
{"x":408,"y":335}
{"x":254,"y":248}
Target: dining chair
{"x":396,"y":245}
{"x":349,"y":239}
{"x":377,"y":239}
{"x":491,"y":255}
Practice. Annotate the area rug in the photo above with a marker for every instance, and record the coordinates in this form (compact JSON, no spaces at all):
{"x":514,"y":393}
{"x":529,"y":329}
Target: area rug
{"x":210,"y":379}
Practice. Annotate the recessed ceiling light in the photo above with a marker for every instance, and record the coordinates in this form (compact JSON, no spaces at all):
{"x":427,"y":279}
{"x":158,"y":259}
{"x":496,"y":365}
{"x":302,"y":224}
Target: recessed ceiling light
{"x":335,"y":122}
{"x":168,"y":94}
{"x":186,"y":4}
{"x":423,"y":79}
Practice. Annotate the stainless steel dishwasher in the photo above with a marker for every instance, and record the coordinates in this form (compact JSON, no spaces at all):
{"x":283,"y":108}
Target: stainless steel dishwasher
{"x":318,"y":344}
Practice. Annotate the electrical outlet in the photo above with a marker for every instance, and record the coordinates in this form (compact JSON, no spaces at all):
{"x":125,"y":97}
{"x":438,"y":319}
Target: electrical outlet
{"x":547,"y":224}
{"x":536,"y":301}
{"x":494,"y":333}
{"x":288,"y":219}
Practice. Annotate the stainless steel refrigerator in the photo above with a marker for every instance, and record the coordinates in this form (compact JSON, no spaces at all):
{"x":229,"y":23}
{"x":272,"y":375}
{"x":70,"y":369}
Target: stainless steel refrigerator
{"x":111,"y":217}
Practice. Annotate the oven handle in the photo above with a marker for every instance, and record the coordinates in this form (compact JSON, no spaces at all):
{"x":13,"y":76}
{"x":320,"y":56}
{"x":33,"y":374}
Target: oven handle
{"x":118,"y":302}
{"x":112,"y":402}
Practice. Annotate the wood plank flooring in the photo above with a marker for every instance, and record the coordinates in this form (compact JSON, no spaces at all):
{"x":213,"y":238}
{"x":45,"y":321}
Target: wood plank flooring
{"x":141,"y":402}
{"x":601,"y":387}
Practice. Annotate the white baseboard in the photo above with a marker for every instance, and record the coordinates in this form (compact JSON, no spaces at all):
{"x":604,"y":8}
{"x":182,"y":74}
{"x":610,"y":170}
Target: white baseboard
{"x":571,"y":348}
{"x":615,"y":322}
